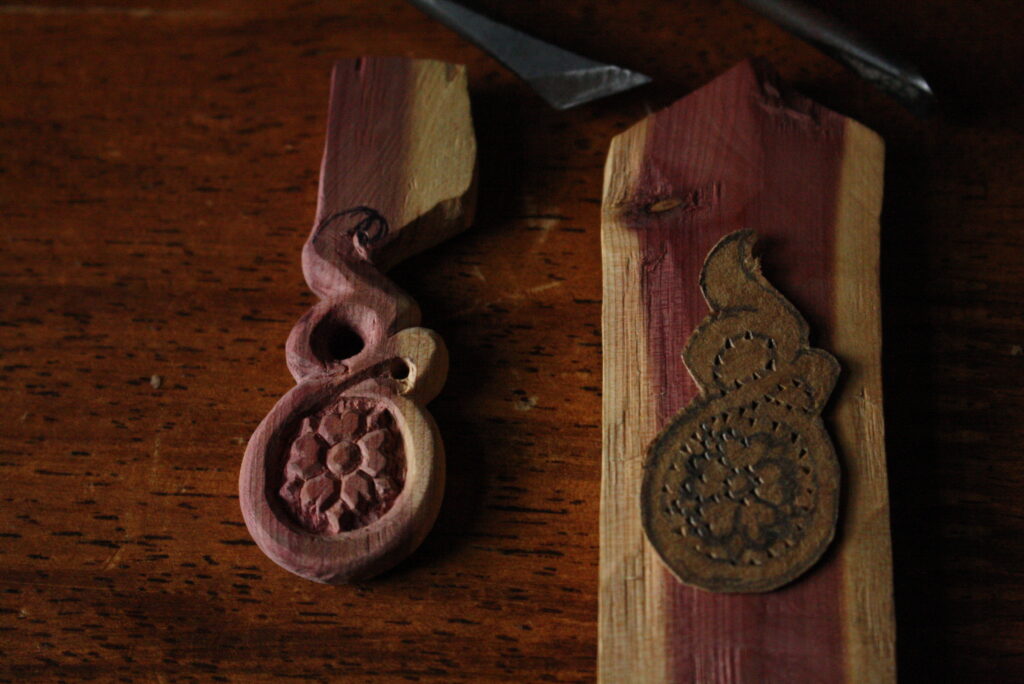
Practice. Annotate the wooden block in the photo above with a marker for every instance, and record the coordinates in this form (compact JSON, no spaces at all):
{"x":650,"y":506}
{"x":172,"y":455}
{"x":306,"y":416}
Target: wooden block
{"x":742,"y":153}
{"x":345,"y":476}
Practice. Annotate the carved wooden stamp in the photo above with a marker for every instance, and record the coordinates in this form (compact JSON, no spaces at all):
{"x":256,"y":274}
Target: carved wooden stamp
{"x":740,"y":490}
{"x":345,"y":476}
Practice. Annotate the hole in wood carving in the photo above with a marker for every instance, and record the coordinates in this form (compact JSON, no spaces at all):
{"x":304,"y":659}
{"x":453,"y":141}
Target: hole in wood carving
{"x":333,"y":340}
{"x":344,"y":343}
{"x":399,"y":369}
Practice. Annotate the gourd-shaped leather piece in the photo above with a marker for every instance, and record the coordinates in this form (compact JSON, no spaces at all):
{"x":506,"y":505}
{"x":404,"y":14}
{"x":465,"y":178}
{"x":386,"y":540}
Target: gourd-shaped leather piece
{"x":741,"y":488}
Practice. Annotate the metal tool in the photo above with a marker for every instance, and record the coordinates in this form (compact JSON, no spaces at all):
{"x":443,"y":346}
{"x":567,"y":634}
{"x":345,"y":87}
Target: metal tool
{"x":562,"y":78}
{"x":886,"y":72}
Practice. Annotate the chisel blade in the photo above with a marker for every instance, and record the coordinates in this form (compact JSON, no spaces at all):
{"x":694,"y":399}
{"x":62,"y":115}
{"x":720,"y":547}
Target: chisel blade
{"x":564,"y":79}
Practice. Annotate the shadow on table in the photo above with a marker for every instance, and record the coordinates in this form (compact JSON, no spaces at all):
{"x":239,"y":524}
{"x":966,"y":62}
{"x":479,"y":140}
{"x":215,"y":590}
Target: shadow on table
{"x":909,"y":414}
{"x":470,"y":441}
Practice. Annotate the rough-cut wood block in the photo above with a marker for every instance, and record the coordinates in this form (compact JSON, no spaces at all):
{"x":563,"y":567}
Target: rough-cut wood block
{"x":742,"y":153}
{"x":344,"y":477}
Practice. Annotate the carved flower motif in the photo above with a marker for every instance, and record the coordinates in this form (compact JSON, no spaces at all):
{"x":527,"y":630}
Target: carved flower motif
{"x":742,"y":493}
{"x":344,"y":469}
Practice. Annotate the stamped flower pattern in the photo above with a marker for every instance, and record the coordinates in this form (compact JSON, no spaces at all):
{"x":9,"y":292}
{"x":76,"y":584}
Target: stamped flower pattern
{"x":345,"y":468}
{"x":745,"y":495}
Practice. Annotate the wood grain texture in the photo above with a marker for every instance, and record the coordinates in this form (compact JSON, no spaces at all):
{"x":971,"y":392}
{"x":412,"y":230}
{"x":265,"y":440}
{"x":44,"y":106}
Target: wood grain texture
{"x":741,"y":152}
{"x":158,"y":175}
{"x":344,"y":477}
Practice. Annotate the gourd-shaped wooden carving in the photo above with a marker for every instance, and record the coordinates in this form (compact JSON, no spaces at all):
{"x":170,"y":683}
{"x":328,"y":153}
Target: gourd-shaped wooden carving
{"x":741,"y":489}
{"x":345,"y":476}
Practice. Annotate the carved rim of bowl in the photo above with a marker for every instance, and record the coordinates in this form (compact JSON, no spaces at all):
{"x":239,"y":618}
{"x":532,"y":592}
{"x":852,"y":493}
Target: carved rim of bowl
{"x":365,"y":550}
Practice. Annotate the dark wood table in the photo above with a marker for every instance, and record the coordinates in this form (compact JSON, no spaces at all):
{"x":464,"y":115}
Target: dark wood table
{"x":158,"y":168}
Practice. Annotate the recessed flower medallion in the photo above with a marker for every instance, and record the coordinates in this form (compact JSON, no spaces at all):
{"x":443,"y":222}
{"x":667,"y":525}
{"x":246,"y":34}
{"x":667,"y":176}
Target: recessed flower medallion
{"x":345,"y":467}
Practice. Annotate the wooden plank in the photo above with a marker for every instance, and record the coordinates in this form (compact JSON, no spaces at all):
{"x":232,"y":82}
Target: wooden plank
{"x":344,"y":477}
{"x":742,"y":153}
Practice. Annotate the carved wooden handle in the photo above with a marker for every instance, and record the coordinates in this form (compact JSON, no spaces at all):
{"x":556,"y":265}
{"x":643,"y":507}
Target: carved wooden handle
{"x":345,"y":476}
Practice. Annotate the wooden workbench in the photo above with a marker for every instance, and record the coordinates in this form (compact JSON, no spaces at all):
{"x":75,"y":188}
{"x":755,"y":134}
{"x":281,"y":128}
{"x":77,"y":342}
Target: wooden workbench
{"x":158,"y":167}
